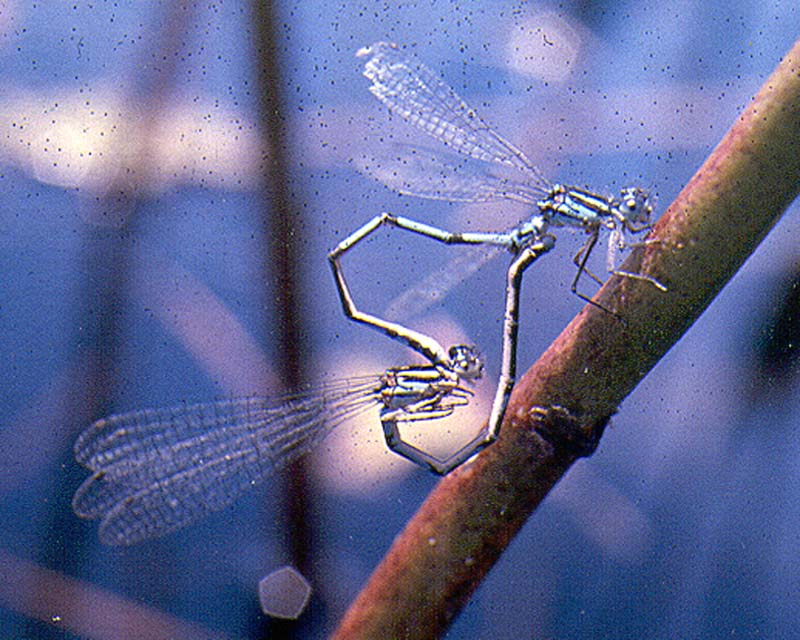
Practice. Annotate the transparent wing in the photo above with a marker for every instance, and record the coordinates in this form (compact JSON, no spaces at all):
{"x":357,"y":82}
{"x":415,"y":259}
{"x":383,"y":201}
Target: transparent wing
{"x":436,"y":175}
{"x":420,"y":297}
{"x":411,"y":90}
{"x":156,"y":471}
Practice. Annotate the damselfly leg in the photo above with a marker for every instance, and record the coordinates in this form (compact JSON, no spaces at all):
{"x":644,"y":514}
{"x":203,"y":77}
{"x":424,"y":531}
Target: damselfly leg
{"x":431,"y":349}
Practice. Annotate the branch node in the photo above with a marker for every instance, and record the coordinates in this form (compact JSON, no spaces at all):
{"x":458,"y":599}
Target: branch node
{"x":562,"y":429}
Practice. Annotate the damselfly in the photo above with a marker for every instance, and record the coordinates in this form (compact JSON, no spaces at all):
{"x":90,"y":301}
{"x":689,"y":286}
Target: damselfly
{"x":156,"y":471}
{"x":467,"y":174}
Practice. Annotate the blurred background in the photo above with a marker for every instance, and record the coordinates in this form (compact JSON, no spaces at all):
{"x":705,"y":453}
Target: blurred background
{"x":172,"y":175}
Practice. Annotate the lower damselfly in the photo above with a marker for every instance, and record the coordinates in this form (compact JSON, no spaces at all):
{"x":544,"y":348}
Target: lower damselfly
{"x":155,"y":471}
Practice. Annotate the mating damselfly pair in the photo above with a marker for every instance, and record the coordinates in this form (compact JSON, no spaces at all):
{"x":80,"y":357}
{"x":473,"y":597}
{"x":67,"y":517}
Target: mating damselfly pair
{"x":155,"y":471}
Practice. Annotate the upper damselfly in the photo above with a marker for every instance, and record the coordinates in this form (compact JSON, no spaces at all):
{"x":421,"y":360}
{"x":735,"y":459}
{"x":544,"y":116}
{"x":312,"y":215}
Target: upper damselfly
{"x":474,"y":166}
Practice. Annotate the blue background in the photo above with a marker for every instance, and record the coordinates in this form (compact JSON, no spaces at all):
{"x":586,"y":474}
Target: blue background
{"x":130,"y":205}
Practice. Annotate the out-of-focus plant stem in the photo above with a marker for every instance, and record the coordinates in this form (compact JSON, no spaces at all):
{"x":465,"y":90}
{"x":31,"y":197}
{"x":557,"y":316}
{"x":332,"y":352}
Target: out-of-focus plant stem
{"x":716,"y":222}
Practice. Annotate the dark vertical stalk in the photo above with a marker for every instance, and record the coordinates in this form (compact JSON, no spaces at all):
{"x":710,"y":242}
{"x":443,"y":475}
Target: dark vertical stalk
{"x":282,"y":224}
{"x":777,"y":356}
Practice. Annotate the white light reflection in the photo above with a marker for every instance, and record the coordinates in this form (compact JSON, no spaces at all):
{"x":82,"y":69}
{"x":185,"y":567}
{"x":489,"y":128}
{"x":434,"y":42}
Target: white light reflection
{"x":545,"y":46}
{"x":355,"y":460}
{"x":97,"y":139}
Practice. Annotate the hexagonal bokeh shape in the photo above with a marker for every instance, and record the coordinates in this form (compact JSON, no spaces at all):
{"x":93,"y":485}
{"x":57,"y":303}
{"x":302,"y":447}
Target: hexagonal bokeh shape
{"x":284,"y":593}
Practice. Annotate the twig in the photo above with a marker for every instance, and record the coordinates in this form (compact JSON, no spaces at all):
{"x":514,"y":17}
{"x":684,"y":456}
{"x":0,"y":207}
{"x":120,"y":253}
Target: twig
{"x":716,"y":222}
{"x":74,"y":608}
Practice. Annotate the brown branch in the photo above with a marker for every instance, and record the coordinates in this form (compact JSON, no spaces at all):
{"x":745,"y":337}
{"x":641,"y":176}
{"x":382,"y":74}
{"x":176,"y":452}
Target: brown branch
{"x":716,"y":222}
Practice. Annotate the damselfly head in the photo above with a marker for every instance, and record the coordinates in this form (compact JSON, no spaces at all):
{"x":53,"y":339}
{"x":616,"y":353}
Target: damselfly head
{"x":635,"y":206}
{"x":466,"y":361}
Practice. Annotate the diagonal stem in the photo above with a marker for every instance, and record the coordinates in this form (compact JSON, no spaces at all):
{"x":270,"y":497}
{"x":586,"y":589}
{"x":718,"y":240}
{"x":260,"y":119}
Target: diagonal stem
{"x":467,"y":521}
